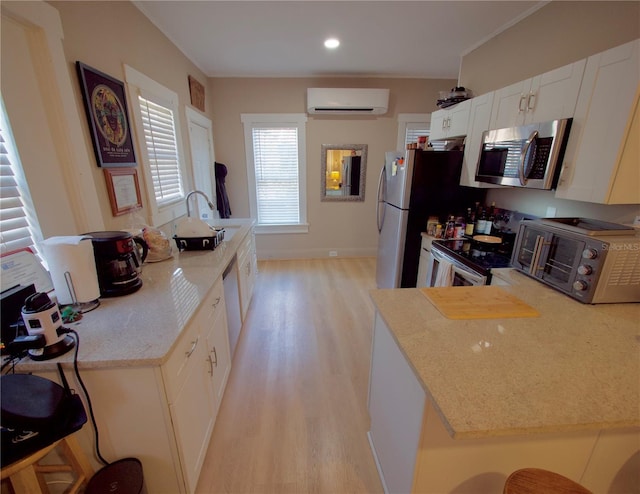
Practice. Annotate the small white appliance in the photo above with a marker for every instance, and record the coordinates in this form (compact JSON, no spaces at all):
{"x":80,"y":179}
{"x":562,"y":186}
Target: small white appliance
{"x":41,"y":316}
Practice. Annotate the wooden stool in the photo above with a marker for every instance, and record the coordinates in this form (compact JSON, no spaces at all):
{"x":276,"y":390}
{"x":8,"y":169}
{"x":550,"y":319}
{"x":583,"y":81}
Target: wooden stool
{"x":537,"y":481}
{"x":27,"y":475}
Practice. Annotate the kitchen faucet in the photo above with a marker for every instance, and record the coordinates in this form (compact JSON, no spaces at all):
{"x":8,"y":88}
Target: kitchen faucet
{"x":209,"y":203}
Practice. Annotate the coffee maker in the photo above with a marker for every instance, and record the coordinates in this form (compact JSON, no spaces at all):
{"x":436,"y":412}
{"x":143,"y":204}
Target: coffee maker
{"x":119,"y":257}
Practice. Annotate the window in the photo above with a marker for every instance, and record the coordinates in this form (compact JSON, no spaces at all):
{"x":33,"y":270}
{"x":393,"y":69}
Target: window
{"x":275,"y":149}
{"x":413,"y":125}
{"x":155,"y":110}
{"x":19,"y":227}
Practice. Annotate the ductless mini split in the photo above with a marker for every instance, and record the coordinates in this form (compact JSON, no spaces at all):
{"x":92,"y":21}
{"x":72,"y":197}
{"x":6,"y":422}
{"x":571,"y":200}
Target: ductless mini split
{"x":347,"y":101}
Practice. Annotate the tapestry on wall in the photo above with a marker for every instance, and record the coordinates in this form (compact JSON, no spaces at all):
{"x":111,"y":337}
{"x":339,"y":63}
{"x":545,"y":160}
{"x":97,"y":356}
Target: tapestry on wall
{"x":105,"y":104}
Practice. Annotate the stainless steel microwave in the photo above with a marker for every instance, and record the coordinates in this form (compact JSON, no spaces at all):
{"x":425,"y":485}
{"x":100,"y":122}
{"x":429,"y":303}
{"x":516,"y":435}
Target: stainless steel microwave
{"x":526,"y":156}
{"x":589,"y":260}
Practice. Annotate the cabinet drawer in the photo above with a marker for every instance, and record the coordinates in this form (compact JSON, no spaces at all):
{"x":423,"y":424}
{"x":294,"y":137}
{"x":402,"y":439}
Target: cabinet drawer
{"x":245,"y":248}
{"x":213,"y":306}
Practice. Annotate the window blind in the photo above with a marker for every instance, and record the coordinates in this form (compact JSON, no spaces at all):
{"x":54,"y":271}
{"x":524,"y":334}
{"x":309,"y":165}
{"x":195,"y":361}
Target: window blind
{"x":413,"y":133}
{"x":18,"y":225}
{"x":162,"y":150}
{"x":276,"y":174}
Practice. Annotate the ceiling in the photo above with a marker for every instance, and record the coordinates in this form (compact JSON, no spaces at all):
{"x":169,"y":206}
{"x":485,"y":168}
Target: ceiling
{"x":419,"y":38}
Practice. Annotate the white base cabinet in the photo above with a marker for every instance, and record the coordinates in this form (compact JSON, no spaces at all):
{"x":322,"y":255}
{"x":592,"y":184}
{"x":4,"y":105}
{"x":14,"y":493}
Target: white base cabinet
{"x":415,"y":452}
{"x":163,"y":415}
{"x":247,"y":271}
{"x":602,"y":159}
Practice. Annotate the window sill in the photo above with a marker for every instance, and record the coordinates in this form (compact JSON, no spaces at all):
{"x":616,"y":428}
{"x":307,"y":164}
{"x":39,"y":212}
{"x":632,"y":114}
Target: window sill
{"x":280,"y":229}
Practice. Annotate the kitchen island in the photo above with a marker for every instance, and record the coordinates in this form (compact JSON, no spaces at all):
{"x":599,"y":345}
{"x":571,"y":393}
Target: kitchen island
{"x":156,"y":362}
{"x":457,"y":405}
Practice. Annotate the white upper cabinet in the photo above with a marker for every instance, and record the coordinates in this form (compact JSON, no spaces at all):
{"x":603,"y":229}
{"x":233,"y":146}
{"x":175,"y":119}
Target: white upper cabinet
{"x":545,"y":97}
{"x":479,"y":117}
{"x":602,"y":161}
{"x":450,"y":122}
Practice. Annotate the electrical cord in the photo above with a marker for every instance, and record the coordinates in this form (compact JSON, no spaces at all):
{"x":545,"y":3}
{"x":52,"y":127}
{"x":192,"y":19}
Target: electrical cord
{"x":76,"y":336}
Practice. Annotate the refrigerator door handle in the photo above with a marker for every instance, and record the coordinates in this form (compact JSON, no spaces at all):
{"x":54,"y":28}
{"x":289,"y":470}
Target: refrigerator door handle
{"x":380,"y":211}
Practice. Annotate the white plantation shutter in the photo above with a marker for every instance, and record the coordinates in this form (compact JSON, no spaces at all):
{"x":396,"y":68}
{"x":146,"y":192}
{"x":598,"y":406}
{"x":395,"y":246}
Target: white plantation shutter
{"x":162,"y":151}
{"x":276,"y":170}
{"x":416,"y":130}
{"x":18,"y":225}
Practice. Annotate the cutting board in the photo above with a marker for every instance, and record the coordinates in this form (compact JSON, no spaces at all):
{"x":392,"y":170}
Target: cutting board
{"x":477,"y":302}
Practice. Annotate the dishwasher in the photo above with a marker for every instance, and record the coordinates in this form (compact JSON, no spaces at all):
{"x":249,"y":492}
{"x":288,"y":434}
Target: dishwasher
{"x":232,"y":302}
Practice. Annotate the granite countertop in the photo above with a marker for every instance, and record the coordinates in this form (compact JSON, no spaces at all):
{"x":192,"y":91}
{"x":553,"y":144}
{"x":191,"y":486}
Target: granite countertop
{"x":573,"y":368}
{"x":141,"y":329}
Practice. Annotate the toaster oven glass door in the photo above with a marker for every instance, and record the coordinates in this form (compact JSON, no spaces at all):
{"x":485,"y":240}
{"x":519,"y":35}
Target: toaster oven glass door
{"x":561,"y":261}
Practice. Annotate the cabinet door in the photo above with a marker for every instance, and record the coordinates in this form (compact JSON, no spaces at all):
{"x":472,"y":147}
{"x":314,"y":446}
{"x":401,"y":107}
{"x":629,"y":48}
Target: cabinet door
{"x":596,"y":161}
{"x":218,"y":360}
{"x":193,"y":414}
{"x":396,"y":406}
{"x":437,"y":127}
{"x":459,"y":119}
{"x":479,"y":118}
{"x":509,"y":105}
{"x":553,"y":95}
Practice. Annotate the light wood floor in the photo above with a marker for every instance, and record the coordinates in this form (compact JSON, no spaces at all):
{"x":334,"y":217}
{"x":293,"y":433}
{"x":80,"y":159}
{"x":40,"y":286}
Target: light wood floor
{"x":294,"y":416}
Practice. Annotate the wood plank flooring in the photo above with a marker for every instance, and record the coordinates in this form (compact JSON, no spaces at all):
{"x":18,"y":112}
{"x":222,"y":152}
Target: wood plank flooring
{"x":294,"y":416}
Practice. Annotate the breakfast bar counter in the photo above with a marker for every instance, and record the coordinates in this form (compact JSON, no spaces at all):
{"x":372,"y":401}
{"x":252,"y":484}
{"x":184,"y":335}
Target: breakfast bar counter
{"x":505,"y":387}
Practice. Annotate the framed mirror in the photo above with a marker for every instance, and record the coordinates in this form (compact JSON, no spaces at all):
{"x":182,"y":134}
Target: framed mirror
{"x":343,"y":168}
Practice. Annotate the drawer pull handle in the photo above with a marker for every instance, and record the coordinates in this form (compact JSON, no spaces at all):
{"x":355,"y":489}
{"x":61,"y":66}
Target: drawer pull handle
{"x":210,"y":365}
{"x":215,"y":304}
{"x":215,"y":355}
{"x":194,"y":344}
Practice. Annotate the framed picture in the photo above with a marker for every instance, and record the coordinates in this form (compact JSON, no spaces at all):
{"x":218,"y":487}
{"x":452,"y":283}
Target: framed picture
{"x":105,"y":104}
{"x":196,"y":91}
{"x":124,"y":190}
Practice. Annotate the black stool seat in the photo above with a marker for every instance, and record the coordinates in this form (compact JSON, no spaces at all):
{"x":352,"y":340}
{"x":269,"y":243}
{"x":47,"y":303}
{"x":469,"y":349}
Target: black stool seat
{"x":121,"y":477}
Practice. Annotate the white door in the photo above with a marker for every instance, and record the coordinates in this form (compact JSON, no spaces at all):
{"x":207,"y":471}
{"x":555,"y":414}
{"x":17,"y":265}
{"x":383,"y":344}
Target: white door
{"x":203,"y":159}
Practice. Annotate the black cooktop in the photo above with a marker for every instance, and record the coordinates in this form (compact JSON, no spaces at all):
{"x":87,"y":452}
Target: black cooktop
{"x":479,"y":256}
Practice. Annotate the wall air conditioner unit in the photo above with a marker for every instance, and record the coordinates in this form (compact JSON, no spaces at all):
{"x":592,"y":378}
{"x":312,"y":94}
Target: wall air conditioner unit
{"x":351,"y":101}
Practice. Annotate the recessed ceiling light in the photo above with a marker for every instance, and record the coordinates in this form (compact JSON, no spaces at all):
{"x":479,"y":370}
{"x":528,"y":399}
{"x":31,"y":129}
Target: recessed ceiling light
{"x":332,"y":43}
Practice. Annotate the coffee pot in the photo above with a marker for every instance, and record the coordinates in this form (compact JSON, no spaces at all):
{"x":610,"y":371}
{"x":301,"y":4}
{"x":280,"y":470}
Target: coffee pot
{"x":119,"y":256}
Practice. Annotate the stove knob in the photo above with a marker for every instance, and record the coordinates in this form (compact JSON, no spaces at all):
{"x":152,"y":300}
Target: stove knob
{"x":585,"y":269}
{"x":580,"y":285}
{"x":589,"y":253}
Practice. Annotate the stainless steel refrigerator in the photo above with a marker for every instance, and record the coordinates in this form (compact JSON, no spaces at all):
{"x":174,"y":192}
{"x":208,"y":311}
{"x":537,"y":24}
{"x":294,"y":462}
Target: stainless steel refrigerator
{"x":414,"y":185}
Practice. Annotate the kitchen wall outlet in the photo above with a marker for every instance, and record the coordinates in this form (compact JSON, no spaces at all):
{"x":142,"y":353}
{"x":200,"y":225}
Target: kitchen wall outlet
{"x":333,"y":253}
{"x":551,"y":212}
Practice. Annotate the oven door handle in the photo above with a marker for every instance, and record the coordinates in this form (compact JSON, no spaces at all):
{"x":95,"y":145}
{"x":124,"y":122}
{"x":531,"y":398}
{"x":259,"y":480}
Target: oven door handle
{"x":535,"y":258}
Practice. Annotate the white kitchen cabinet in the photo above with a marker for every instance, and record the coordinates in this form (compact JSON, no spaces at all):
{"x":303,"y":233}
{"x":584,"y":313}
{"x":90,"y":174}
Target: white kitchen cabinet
{"x":479,"y":120}
{"x":195,"y":377}
{"x":415,"y":452}
{"x":545,"y":97}
{"x":247,"y":271}
{"x":425,"y":259}
{"x":601,"y":163}
{"x":450,"y":122}
{"x":396,"y":404}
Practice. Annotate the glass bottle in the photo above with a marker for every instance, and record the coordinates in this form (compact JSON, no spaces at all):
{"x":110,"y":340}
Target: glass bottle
{"x":471,"y":221}
{"x":481,"y":224}
{"x":450,"y":229}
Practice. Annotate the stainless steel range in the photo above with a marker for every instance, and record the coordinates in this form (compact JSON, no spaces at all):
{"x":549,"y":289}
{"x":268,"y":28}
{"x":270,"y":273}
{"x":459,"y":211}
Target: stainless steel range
{"x":466,"y":262}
